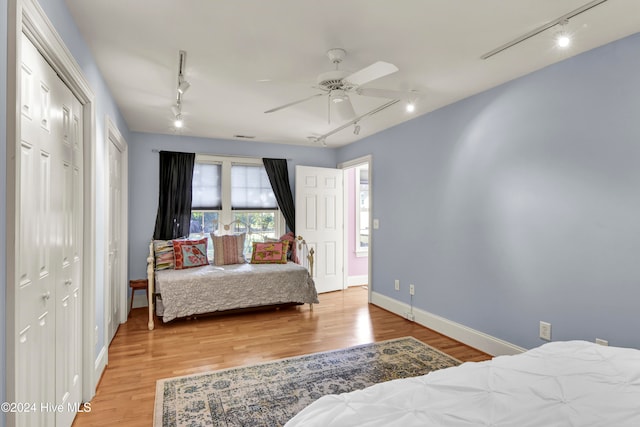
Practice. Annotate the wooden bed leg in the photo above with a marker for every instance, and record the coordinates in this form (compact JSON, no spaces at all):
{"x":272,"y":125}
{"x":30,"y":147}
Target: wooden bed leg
{"x":150,"y":277}
{"x":310,"y":307}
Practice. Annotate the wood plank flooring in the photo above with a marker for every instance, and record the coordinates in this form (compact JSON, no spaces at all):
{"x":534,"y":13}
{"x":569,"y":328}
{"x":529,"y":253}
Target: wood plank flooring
{"x":138,"y":357}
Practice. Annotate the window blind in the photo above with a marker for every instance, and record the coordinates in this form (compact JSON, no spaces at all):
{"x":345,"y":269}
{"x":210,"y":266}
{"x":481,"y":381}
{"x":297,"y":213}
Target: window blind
{"x":251,"y":189}
{"x":206,"y":187}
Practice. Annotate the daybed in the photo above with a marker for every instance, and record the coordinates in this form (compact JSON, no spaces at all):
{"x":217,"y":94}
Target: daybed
{"x":178,"y":293}
{"x":560,"y":384}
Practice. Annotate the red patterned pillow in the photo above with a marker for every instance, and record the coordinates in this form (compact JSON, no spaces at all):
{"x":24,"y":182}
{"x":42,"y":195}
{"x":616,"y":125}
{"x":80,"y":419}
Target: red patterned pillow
{"x":270,"y":252}
{"x":190,"y":253}
{"x":228,"y":249}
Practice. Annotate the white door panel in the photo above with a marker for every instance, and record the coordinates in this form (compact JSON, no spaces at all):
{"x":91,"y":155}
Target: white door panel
{"x":49,"y":327}
{"x":116,"y":287}
{"x":319,"y":219}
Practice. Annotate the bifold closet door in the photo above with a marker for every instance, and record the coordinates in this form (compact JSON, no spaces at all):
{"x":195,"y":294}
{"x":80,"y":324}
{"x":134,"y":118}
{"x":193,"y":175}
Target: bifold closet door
{"x":49,"y":252}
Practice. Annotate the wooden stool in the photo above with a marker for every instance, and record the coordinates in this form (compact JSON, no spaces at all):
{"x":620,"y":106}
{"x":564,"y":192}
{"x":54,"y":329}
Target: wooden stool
{"x":138,"y":285}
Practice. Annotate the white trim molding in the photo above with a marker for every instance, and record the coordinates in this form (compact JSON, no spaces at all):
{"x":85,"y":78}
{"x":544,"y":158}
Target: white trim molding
{"x":476,"y":339}
{"x":358,"y":280}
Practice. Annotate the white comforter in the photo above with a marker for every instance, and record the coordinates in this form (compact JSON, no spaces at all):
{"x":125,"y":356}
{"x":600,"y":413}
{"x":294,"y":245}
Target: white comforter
{"x":574,"y":383}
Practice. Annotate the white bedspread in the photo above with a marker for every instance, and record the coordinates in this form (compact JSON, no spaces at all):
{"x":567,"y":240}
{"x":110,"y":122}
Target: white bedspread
{"x":214,"y":288}
{"x":572,"y":384}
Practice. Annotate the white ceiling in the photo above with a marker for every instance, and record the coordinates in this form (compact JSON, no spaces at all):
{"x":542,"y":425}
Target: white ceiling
{"x":233,"y":46}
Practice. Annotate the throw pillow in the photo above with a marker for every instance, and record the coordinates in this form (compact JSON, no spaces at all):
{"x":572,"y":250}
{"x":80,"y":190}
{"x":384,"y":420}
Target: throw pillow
{"x":270,"y":252}
{"x":190,"y":253}
{"x":228,"y":249}
{"x":163,"y":251}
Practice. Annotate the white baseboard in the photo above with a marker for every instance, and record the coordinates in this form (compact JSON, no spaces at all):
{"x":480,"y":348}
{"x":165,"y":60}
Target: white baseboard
{"x":357,"y":280}
{"x":476,"y":339}
{"x":100,"y":364}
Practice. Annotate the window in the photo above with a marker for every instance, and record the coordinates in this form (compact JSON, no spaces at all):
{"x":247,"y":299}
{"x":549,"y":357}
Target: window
{"x":235,"y":192}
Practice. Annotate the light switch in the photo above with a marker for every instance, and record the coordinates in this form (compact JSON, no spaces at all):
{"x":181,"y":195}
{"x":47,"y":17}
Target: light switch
{"x":376,"y":224}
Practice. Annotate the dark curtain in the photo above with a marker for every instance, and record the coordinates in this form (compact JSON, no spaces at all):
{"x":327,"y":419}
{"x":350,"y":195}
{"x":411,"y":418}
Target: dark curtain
{"x":174,"y":195}
{"x":279,"y":177}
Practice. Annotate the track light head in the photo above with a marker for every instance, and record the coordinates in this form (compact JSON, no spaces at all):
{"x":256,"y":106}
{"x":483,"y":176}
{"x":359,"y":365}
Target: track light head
{"x":183,"y":86}
{"x":178,"y":122}
{"x":563,"y":39}
{"x":176,"y":109}
{"x":410,"y":107}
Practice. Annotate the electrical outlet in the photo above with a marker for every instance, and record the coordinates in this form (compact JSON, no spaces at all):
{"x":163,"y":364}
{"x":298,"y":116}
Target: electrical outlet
{"x":410,"y":316}
{"x":601,"y":341}
{"x":397,"y":285}
{"x":545,"y":331}
{"x":412,"y":290}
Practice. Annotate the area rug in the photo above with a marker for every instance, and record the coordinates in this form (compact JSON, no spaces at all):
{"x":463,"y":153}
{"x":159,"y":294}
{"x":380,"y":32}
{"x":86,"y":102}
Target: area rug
{"x":269,"y":394}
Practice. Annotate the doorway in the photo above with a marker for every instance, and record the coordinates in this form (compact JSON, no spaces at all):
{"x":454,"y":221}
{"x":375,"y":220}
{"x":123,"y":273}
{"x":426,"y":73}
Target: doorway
{"x":357,"y":209}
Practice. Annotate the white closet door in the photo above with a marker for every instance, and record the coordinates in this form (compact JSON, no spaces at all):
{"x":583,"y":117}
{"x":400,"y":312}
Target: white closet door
{"x":48,"y":292}
{"x":116,"y":287}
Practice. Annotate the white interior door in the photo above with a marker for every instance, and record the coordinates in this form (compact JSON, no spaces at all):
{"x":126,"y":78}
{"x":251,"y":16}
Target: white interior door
{"x":116,"y":287}
{"x":48,"y":292}
{"x":319,"y":219}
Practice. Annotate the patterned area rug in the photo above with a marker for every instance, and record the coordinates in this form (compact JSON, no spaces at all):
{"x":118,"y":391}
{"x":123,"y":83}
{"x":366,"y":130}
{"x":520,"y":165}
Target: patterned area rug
{"x":271,"y":393}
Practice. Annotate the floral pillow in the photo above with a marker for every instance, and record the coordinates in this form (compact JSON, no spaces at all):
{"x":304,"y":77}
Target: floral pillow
{"x":270,"y":252}
{"x":228,"y":249}
{"x":163,"y":251}
{"x":190,"y":253}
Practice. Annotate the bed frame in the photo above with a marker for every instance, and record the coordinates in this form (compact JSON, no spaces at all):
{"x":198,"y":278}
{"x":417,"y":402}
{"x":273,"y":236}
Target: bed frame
{"x":304,"y":252}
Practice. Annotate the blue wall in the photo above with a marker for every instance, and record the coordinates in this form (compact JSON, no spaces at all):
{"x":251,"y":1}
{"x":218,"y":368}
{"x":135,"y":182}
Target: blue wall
{"x":143,"y":178}
{"x":519,"y":204}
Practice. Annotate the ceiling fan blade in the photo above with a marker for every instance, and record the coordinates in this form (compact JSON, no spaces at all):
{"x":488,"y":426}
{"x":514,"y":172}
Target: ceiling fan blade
{"x":389,"y":94}
{"x":293,"y":103}
{"x":345,"y":109}
{"x":370,"y":73}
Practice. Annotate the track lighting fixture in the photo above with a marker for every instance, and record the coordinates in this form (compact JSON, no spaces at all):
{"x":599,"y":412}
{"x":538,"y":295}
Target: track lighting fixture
{"x":562,"y":37}
{"x":183,"y":85}
{"x":562,"y":41}
{"x":410,"y":107}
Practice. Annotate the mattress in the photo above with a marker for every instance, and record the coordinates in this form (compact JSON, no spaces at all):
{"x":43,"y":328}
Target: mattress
{"x":572,"y":384}
{"x":211,"y":288}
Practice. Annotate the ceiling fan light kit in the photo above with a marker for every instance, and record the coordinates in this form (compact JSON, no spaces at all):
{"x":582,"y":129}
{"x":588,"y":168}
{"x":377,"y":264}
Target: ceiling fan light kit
{"x":338,"y":85}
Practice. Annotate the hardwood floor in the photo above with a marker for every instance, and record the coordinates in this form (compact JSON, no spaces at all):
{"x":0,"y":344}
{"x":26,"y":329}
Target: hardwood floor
{"x":138,"y":357}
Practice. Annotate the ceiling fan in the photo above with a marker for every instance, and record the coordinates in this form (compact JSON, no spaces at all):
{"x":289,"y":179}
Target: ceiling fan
{"x":338,"y":84}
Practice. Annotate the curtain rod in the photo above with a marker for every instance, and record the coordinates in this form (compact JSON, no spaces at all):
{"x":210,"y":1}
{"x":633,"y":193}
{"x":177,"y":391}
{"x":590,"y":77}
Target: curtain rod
{"x":155,"y":150}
